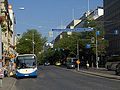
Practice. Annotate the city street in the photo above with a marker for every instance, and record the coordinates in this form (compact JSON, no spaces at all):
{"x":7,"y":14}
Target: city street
{"x":55,"y":78}
{"x":60,"y":44}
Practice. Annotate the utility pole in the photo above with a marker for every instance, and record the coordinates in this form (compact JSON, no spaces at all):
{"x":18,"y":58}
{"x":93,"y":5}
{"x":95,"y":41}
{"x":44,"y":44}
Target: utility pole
{"x":73,"y":14}
{"x":33,"y":42}
{"x":88,"y":6}
{"x":77,"y":50}
{"x":96,"y":50}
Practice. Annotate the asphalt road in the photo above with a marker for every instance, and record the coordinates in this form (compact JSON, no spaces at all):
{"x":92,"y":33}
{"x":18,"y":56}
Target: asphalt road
{"x":55,"y":78}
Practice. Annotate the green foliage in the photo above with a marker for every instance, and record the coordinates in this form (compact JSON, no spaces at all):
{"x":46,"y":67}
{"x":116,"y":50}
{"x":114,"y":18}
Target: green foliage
{"x":47,"y":55}
{"x":98,"y":26}
{"x":69,"y":42}
{"x":25,"y":43}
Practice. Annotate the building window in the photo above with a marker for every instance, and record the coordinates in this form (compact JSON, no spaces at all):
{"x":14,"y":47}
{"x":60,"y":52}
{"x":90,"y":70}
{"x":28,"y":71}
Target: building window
{"x":5,"y":34}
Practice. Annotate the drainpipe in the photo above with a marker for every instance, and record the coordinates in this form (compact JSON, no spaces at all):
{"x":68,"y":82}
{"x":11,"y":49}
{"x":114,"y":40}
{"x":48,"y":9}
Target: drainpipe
{"x":0,"y":41}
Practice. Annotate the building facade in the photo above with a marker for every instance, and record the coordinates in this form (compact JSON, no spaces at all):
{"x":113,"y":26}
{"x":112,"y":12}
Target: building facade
{"x":12,"y":30}
{"x":112,"y":25}
{"x":7,"y":28}
{"x":95,"y":14}
{"x":73,"y":24}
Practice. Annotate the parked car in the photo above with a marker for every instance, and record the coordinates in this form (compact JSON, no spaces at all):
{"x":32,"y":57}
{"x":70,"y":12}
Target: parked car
{"x":72,"y":61}
{"x":46,"y":64}
{"x":112,"y":62}
{"x":58,"y":63}
{"x":114,"y":65}
{"x":117,"y":69}
{"x":70,"y":65}
{"x":108,"y":65}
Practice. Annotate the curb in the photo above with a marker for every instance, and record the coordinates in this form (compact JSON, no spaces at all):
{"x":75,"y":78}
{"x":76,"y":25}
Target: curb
{"x":101,"y":74}
{"x":115,"y":77}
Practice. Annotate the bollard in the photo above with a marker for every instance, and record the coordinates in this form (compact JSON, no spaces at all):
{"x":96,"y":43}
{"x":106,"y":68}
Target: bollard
{"x":1,"y":82}
{"x":1,"y":77}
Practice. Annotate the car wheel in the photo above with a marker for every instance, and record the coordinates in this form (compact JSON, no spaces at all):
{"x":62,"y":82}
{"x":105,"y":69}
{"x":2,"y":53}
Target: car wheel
{"x":118,"y":69}
{"x":68,"y":68}
{"x":108,"y":68}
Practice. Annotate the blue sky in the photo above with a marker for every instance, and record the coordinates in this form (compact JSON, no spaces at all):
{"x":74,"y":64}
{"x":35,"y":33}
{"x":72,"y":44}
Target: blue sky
{"x":44,"y":15}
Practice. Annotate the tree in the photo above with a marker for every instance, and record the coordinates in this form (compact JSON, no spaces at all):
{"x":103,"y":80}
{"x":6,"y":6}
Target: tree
{"x":97,"y":26}
{"x":69,"y":43}
{"x":25,"y":43}
{"x":102,"y":44}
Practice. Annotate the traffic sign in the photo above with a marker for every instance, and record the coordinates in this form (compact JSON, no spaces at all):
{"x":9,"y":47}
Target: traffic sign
{"x":97,"y":33}
{"x":73,"y":30}
{"x":88,"y":45}
{"x":78,"y":61}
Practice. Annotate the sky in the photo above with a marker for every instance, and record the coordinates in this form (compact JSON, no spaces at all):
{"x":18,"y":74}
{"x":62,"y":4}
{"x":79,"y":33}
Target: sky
{"x":45,"y":15}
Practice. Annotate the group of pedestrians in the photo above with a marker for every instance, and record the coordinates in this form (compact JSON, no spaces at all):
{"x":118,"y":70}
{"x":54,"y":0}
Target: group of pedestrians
{"x":8,"y":69}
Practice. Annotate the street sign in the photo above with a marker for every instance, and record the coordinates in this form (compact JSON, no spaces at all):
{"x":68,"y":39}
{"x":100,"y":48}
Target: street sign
{"x":88,"y":46}
{"x":78,"y":61}
{"x":73,"y":30}
{"x":97,"y":33}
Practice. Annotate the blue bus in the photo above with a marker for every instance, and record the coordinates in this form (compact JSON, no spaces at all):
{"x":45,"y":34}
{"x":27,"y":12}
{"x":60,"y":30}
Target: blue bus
{"x":26,"y":65}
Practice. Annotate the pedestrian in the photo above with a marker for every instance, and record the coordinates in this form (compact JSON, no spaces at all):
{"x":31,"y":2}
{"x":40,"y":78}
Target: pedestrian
{"x":5,"y":71}
{"x":87,"y":65}
{"x":1,"y":72}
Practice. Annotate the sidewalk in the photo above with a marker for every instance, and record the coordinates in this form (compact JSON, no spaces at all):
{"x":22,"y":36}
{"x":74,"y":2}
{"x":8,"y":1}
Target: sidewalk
{"x":102,"y":72}
{"x":8,"y":83}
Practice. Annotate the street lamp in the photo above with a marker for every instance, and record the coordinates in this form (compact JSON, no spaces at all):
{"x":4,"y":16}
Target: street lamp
{"x":33,"y":46}
{"x":21,"y":8}
{"x":88,"y":7}
{"x":33,"y":43}
{"x":97,"y":33}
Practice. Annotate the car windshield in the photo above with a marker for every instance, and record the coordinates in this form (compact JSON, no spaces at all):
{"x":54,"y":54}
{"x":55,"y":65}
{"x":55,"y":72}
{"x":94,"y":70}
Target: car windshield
{"x":70,"y":62}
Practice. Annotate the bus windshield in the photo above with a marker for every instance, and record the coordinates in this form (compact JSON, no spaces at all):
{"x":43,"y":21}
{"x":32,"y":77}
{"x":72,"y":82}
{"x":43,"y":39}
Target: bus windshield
{"x":25,"y":61}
